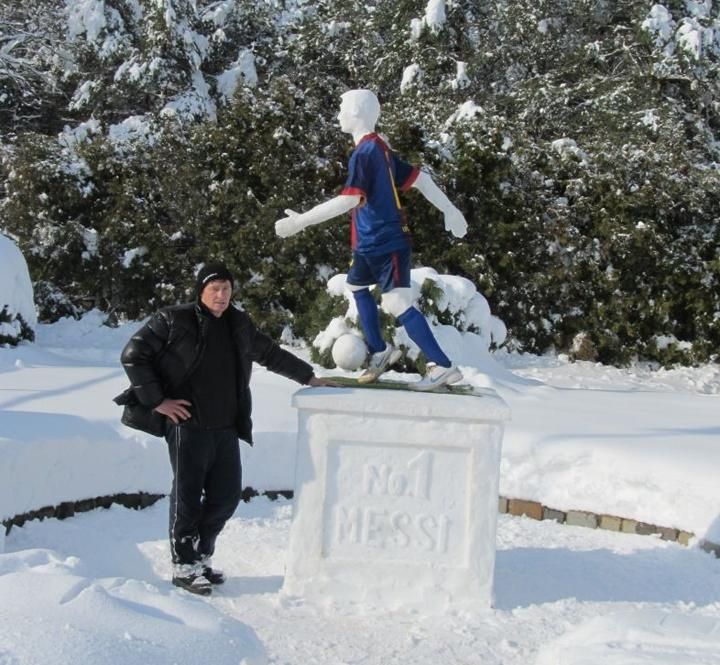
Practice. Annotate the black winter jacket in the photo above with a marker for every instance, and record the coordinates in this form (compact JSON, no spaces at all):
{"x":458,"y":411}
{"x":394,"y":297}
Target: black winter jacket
{"x":167,"y":349}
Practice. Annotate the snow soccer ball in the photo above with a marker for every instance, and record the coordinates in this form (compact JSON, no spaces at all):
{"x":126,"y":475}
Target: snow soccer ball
{"x":349,"y":352}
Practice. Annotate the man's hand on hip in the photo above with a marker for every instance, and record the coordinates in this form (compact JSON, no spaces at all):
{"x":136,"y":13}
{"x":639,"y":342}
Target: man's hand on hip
{"x":174,"y":409}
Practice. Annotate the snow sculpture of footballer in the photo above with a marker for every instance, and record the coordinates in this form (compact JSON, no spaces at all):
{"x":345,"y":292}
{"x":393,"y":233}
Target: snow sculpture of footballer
{"x":381,"y":252}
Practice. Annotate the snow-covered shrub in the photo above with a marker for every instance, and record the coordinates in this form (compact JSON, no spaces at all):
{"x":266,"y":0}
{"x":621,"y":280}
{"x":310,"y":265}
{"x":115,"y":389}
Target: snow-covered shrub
{"x":459,"y":315}
{"x":668,"y":350}
{"x":53,"y":304}
{"x":579,"y":139}
{"x":583,"y":348}
{"x":31,"y":71}
{"x":17,"y":309}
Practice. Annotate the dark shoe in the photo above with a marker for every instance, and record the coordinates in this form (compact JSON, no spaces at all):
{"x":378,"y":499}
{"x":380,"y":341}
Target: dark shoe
{"x":198,"y":584}
{"x":213,"y":575}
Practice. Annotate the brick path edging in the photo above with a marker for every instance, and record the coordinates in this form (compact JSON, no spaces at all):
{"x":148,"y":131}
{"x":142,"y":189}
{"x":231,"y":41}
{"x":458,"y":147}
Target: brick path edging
{"x":136,"y":500}
{"x":537,"y":511}
{"x":518,"y":507}
{"x":65,"y":509}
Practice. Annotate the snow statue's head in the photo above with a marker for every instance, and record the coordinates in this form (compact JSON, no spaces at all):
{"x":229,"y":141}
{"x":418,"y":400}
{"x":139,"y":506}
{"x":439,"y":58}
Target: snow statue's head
{"x":359,"y":112}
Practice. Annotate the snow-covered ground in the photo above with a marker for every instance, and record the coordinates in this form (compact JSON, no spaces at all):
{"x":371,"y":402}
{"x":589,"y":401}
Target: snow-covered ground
{"x":94,"y":589}
{"x":635,"y":443}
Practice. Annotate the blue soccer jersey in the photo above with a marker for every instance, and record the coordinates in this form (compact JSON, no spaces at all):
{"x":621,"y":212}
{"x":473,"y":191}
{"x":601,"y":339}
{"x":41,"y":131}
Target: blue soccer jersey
{"x":376,"y":174}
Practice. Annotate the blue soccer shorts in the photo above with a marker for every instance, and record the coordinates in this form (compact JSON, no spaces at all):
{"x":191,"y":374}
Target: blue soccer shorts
{"x":389,"y":271}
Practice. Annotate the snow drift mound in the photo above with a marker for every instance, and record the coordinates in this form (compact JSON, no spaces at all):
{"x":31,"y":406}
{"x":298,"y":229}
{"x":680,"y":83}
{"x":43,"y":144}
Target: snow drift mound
{"x":17,"y":308}
{"x":638,"y":637}
{"x":59,"y":616}
{"x":459,"y":315}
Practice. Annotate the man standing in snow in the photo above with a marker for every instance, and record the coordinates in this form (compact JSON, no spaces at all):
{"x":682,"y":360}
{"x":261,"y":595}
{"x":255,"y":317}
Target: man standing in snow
{"x":192,"y":364}
{"x":381,"y":238}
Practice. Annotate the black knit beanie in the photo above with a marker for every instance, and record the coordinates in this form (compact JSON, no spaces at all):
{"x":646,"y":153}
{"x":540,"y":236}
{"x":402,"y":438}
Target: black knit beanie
{"x":210,"y":272}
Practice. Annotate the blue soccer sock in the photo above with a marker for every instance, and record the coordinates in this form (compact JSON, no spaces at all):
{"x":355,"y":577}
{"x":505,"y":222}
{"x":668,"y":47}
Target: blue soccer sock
{"x":369,"y":320}
{"x":419,"y":332}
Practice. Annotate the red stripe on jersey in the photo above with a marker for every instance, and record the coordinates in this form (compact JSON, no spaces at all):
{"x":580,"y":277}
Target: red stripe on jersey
{"x":410,"y":180}
{"x":396,"y":269}
{"x":353,"y":230}
{"x":372,"y":136}
{"x":353,"y":191}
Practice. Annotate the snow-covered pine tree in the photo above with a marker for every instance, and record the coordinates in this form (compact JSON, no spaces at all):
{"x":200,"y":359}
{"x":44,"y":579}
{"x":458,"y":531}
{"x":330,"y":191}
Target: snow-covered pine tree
{"x":580,"y":138}
{"x":31,"y":67}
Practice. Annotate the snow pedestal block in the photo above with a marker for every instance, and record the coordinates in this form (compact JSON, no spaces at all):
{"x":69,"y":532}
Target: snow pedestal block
{"x":396,"y":499}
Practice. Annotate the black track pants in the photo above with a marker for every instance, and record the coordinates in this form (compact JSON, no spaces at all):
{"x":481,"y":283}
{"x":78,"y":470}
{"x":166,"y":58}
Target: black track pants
{"x":207,"y":487}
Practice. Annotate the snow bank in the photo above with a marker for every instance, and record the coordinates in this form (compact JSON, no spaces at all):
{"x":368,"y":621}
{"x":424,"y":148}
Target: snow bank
{"x":651,"y":636}
{"x":633,"y":442}
{"x":50,"y":458}
{"x":16,"y":293}
{"x":113,"y":620}
{"x":60,"y":436}
{"x":466,"y":343}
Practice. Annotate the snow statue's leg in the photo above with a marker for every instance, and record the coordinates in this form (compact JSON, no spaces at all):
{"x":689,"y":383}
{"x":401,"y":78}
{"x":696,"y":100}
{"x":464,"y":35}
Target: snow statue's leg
{"x":419,"y":332}
{"x":382,"y":355}
{"x":440,"y":370}
{"x":396,"y":500}
{"x":369,"y":319}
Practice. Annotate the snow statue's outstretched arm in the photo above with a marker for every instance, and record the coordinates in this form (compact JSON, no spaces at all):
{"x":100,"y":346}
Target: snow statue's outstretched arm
{"x":454,"y":221}
{"x":296,"y":222}
{"x":359,"y":112}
